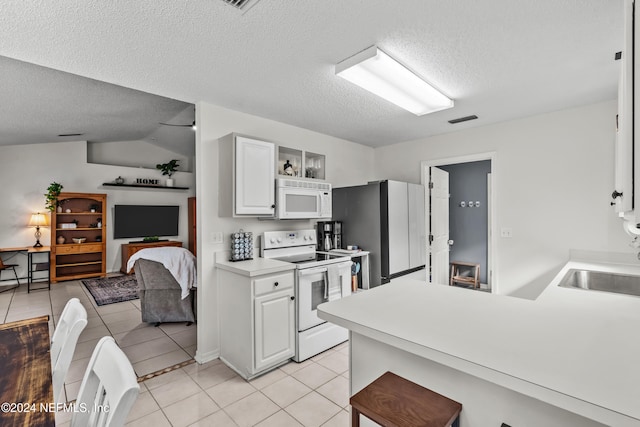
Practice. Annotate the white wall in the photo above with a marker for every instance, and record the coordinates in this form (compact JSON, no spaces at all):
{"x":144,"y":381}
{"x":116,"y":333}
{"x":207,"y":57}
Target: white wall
{"x":554,"y":180}
{"x":27,"y":171}
{"x":347,"y":163}
{"x":139,"y":154}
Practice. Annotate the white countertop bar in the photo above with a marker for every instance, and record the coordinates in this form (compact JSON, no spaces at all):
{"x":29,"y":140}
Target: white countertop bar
{"x":252,"y":267}
{"x":575,"y":349}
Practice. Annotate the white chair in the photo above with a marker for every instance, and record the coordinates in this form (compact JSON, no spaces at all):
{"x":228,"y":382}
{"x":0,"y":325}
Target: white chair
{"x":108,"y":390}
{"x":72,"y":322}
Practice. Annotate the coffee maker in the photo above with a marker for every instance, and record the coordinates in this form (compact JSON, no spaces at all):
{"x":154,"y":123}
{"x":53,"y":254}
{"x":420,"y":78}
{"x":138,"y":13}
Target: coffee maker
{"x":329,"y":235}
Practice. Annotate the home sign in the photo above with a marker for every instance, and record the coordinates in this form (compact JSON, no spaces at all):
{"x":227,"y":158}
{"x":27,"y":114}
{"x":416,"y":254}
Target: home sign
{"x":147,"y":181}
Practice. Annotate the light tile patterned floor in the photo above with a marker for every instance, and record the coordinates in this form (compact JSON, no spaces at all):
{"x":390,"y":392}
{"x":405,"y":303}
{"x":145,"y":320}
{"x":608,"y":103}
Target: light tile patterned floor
{"x":311,"y":393}
{"x":149,"y":348}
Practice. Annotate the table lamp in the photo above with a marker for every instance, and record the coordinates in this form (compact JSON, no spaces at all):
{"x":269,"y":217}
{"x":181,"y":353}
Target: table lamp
{"x":38,"y":220}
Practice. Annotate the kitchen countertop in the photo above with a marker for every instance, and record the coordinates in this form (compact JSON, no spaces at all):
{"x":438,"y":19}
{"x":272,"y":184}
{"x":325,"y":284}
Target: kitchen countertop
{"x":253,"y":267}
{"x":575,"y":349}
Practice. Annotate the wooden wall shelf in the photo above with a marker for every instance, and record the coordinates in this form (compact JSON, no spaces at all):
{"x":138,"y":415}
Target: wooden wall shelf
{"x":156,"y":187}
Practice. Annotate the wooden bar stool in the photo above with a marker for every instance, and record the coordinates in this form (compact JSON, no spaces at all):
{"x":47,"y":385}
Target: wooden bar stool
{"x":394,"y":401}
{"x":457,"y":273}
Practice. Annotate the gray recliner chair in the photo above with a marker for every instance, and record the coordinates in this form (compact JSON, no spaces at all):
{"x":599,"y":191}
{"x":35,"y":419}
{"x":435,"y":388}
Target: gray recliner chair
{"x":160,"y":295}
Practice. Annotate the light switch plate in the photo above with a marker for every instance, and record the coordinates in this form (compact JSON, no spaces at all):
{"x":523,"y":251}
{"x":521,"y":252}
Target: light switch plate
{"x":506,"y":232}
{"x":217,"y":237}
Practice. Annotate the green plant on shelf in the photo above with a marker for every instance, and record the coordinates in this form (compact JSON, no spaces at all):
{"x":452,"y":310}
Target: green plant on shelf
{"x":168,"y":168}
{"x":151,"y":239}
{"x":51,"y":196}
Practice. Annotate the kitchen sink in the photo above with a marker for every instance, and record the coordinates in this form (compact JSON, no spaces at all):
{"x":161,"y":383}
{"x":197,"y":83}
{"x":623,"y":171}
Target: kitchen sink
{"x":601,"y":281}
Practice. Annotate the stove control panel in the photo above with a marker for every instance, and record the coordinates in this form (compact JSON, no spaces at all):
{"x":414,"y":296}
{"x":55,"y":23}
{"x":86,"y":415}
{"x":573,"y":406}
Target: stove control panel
{"x":287,"y":239}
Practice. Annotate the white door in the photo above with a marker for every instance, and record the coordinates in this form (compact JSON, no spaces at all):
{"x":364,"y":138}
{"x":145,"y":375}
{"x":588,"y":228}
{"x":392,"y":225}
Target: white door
{"x":274,"y":328}
{"x":254,"y":177}
{"x":438,"y":205}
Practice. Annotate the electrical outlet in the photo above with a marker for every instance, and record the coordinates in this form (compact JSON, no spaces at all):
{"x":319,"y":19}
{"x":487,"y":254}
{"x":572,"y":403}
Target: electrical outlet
{"x":217,"y":237}
{"x":506,"y":232}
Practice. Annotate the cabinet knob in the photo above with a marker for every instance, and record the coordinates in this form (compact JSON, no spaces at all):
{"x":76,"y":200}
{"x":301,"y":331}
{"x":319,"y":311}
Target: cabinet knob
{"x":276,"y":284}
{"x":273,"y":206}
{"x":292,"y":298}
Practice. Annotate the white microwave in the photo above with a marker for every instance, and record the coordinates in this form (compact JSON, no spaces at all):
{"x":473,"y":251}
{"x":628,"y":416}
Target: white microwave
{"x":298,"y":199}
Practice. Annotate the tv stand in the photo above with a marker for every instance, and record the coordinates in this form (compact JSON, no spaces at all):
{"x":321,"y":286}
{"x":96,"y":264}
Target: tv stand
{"x":131,"y":248}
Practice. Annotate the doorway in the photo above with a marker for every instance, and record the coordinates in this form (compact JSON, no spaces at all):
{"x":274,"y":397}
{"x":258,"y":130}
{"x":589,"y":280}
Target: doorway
{"x":467,"y":224}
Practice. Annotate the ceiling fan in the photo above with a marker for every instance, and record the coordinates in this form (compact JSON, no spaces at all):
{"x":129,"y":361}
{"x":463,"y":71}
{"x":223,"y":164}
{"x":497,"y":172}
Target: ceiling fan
{"x":192,"y":125}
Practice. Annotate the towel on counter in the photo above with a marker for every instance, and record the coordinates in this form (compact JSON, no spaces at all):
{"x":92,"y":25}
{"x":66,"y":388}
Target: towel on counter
{"x":179,"y":261}
{"x":334,"y":290}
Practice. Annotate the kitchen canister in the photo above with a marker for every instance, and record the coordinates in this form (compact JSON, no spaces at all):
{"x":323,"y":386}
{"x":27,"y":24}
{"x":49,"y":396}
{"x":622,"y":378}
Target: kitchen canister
{"x":241,"y":245}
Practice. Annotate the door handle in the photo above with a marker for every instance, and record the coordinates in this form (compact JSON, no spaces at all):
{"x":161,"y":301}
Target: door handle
{"x":615,"y":194}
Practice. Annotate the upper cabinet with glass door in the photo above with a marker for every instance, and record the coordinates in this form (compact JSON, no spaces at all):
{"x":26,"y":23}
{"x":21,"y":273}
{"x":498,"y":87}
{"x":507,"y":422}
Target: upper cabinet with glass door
{"x":301,"y":164}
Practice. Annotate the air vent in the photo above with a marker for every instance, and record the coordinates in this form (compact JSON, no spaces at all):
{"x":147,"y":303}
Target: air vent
{"x":70,"y":134}
{"x":243,"y":5}
{"x":463,"y":119}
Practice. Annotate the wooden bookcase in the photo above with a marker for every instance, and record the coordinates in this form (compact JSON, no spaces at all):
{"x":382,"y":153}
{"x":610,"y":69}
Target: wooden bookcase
{"x":71,"y":260}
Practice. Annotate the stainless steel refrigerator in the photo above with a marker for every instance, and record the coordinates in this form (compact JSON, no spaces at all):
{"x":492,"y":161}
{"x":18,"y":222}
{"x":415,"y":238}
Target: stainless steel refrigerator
{"x":386,"y":218}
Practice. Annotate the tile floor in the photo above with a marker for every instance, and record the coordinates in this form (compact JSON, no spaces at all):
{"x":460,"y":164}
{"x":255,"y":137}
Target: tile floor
{"x":311,"y":393}
{"x":149,"y":348}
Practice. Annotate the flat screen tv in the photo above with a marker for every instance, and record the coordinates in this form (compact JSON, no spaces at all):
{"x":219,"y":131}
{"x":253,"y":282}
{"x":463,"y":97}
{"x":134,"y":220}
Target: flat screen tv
{"x":145,"y":221}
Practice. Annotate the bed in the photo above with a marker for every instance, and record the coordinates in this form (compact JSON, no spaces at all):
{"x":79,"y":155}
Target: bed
{"x":166,"y":279}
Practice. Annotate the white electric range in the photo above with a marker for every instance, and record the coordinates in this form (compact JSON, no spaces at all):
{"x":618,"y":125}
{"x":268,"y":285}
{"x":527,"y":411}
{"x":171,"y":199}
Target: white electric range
{"x":320,"y":277}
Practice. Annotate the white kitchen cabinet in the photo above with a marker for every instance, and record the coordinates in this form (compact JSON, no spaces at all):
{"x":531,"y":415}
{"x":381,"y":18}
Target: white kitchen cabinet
{"x":304,"y":164}
{"x":626,"y":193}
{"x":257,"y":329}
{"x":622,"y":195}
{"x":246,"y":171}
{"x":274,"y":328}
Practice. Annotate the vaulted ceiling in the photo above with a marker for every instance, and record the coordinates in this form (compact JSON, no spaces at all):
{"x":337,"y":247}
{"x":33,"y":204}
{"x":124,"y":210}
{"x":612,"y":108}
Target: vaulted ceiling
{"x":498,"y":59}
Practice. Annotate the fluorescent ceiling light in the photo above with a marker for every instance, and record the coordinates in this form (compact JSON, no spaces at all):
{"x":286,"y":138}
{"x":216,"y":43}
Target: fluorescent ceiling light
{"x":377,"y":72}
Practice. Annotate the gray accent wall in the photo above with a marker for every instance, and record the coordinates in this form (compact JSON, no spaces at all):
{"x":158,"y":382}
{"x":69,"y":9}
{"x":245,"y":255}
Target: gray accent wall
{"x":468,"y":227}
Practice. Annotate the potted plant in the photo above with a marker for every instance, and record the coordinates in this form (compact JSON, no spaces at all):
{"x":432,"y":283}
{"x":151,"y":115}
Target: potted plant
{"x":168,"y":169}
{"x":51,"y":196}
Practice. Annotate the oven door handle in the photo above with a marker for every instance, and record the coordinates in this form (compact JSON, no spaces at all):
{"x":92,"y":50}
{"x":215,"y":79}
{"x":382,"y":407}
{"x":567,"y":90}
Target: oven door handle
{"x":309,"y":271}
{"x":326,"y":284}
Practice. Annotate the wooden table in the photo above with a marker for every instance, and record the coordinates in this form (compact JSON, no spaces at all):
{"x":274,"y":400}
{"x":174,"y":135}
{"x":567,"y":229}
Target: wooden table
{"x":32,"y":267}
{"x":26,"y":382}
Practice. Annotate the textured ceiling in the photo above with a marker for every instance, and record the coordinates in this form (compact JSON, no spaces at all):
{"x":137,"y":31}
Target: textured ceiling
{"x":39,"y":104}
{"x":498,"y":59}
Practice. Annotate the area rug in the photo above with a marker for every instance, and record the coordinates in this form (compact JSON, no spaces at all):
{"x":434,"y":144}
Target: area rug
{"x":109,"y":290}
